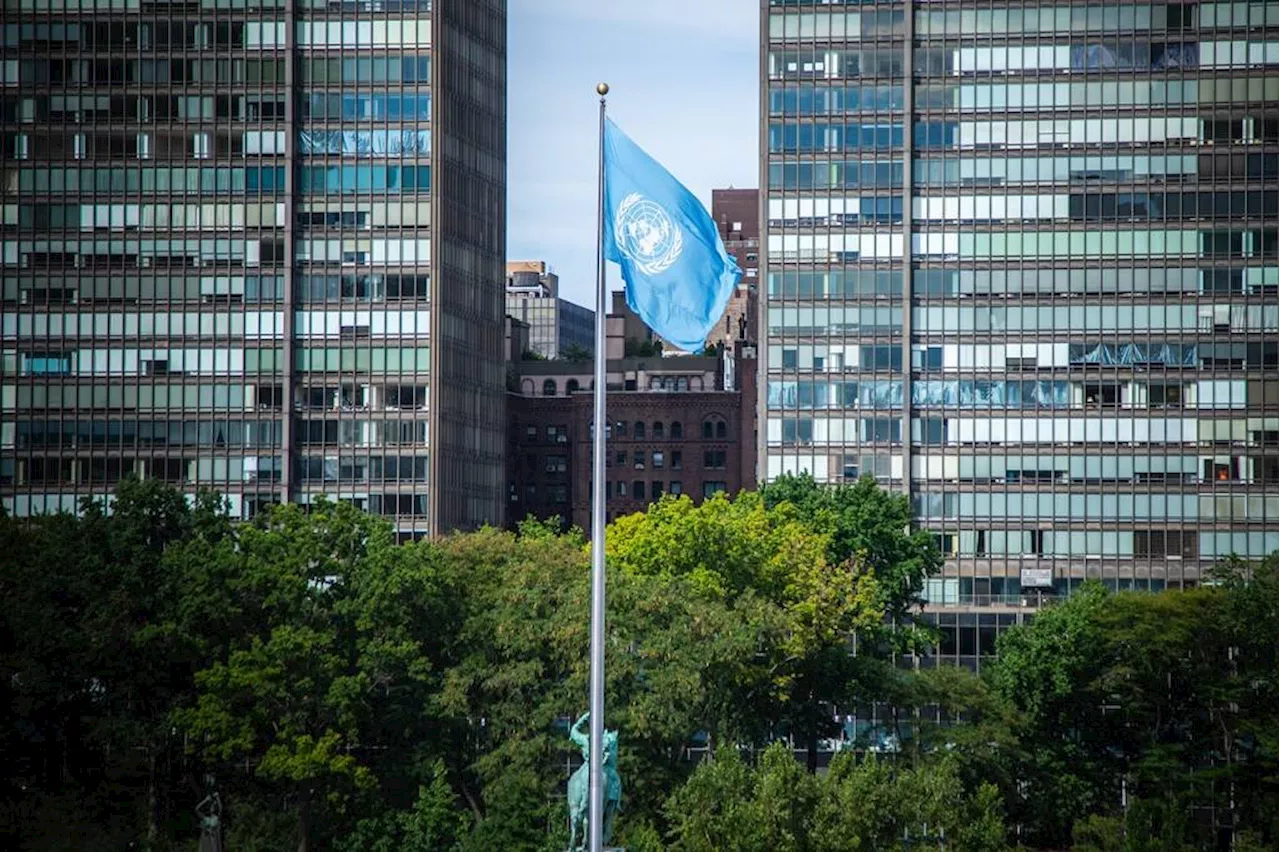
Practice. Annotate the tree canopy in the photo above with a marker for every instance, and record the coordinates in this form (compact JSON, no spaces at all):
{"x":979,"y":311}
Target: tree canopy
{"x":351,"y":693}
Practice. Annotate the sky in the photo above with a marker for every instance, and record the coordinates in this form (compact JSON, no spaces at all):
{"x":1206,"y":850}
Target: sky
{"x":683,"y":85}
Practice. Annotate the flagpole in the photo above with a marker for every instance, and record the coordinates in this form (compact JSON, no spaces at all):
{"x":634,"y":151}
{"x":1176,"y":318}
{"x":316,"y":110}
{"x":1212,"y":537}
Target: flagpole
{"x":595,"y":821}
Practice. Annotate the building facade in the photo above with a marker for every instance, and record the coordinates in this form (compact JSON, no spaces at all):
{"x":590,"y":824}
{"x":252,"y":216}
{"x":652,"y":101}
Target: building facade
{"x":257,"y":250}
{"x":737,"y":216}
{"x":678,"y":425}
{"x":1021,"y":262}
{"x":555,"y":325}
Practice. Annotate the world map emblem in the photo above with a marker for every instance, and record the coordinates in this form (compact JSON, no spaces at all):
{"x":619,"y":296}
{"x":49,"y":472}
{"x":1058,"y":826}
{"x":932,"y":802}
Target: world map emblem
{"x":646,"y":234}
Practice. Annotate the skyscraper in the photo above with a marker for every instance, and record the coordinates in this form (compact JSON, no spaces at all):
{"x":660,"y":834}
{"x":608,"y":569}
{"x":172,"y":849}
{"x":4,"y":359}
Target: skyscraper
{"x":1021,"y":262}
{"x":256,"y":247}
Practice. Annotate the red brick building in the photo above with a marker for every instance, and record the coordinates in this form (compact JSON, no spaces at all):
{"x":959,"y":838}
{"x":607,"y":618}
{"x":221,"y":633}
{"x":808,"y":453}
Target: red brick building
{"x":683,"y":424}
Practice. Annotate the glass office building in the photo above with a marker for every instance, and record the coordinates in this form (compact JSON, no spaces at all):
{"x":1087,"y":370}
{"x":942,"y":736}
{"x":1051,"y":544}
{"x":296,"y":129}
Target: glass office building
{"x":556,"y":325}
{"x":1022,"y":262}
{"x":255,"y":247}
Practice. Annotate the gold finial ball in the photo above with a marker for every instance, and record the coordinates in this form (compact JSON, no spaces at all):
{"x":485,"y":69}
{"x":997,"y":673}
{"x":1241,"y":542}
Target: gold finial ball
{"x":602,"y":89}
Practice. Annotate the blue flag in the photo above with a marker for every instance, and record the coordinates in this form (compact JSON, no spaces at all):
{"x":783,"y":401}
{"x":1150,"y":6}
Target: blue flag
{"x":679,"y":277}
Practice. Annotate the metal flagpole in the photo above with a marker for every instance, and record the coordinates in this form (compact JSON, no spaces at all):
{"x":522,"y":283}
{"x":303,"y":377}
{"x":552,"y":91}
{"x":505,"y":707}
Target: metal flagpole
{"x":595,"y":814}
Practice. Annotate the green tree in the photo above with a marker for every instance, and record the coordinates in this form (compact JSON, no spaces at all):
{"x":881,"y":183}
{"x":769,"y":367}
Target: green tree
{"x":875,"y":527}
{"x":678,"y":665}
{"x":1144,"y":827}
{"x":435,"y":822}
{"x":93,"y":665}
{"x":858,"y":805}
{"x":642,"y":348}
{"x":1169,"y":698}
{"x":575,"y":353}
{"x":741,"y":552}
{"x":312,"y":655}
{"x":1048,"y":672}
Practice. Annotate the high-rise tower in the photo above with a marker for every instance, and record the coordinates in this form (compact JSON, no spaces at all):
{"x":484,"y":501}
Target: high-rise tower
{"x":1021,"y":261}
{"x":256,"y":247}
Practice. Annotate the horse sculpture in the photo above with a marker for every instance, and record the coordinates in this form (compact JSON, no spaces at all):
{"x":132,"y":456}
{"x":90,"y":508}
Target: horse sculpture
{"x":580,"y":786}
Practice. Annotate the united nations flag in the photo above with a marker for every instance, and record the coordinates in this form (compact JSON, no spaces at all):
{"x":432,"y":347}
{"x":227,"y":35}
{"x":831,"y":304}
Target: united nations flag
{"x":679,"y":276}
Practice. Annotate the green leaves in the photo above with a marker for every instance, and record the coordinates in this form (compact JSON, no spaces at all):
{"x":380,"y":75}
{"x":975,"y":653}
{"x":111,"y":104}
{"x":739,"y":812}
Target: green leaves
{"x":351,"y":693}
{"x":857,"y":805}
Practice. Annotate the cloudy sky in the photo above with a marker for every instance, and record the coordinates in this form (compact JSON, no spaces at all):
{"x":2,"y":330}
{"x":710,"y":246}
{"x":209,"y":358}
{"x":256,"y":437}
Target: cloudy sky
{"x":683,"y":86}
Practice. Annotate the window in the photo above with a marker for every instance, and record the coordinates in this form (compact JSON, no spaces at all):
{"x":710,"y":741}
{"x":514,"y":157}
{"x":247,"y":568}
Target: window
{"x":571,"y":386}
{"x":710,"y":488}
{"x":556,"y":464}
{"x":714,"y":427}
{"x":559,"y":493}
{"x":1160,"y":544}
{"x":549,"y":387}
{"x":657,"y":460}
{"x":621,"y":429}
{"x":558,"y":434}
{"x":677,"y":431}
{"x":639,"y":429}
{"x":655,"y":489}
{"x":714,"y":459}
{"x":637,"y":490}
{"x":657,"y":429}
{"x":1104,"y":394}
{"x":676,"y":459}
{"x":676,"y":487}
{"x":620,"y":457}
{"x":639,"y":459}
{"x":1164,"y":396}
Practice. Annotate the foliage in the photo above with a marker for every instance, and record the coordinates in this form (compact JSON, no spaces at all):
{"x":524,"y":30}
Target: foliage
{"x":575,"y":353}
{"x":435,"y":821}
{"x":1169,"y":699}
{"x":769,"y":562}
{"x":857,"y":805}
{"x":650,"y":348}
{"x":352,"y":693}
{"x":875,"y":528}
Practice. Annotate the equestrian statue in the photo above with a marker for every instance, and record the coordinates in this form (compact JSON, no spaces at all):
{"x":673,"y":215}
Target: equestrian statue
{"x":580,"y":786}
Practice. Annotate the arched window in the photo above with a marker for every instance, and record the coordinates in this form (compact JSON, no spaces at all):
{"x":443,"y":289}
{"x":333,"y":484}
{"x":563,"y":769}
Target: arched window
{"x":657,"y":429}
{"x":549,"y":387}
{"x":571,"y":386}
{"x":526,"y":387}
{"x":722,"y":429}
{"x":621,"y":428}
{"x":677,"y":431}
{"x":638,"y":429}
{"x":714,"y":427}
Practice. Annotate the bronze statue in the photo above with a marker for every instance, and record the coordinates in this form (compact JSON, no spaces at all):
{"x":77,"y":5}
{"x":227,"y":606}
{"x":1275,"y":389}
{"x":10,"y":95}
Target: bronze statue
{"x":210,"y":812}
{"x":580,"y":785}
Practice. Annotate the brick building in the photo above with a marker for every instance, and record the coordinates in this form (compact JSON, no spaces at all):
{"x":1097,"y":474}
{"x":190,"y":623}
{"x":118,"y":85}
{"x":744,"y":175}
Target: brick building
{"x":681,"y":424}
{"x":737,"y":216}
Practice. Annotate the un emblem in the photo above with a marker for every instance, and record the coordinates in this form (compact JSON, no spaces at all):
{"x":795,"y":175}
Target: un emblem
{"x":646,"y":234}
